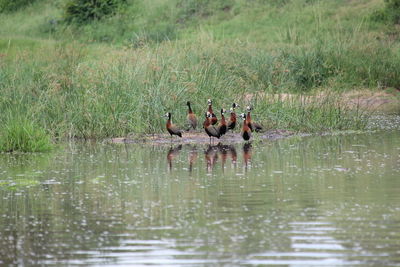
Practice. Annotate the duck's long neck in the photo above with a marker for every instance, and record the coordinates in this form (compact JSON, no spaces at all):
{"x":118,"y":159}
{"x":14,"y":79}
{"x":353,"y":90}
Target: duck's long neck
{"x":169,"y":121}
{"x":248,"y":117}
{"x":245,"y":125}
{"x":207,"y":122}
{"x":210,"y":108}
{"x":190,"y":108}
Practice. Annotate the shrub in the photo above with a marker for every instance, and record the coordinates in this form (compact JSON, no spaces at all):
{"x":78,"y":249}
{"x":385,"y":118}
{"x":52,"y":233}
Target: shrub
{"x":83,"y":11}
{"x":391,"y":12}
{"x":13,"y":5}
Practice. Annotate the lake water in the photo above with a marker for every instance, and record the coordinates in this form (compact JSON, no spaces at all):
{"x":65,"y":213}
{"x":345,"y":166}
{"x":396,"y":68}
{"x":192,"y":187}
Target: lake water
{"x":330,"y":200}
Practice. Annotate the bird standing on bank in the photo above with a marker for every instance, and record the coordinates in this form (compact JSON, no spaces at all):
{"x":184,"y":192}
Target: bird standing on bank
{"x":222,"y":124}
{"x":172,"y":128}
{"x":211,"y":130}
{"x":232,"y":120}
{"x":191,"y":118}
{"x":214,"y":118}
{"x":254,"y":126}
{"x":246,"y":132}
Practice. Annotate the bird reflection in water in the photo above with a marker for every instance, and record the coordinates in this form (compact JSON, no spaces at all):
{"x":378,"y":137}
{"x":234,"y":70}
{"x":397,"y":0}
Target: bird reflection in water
{"x":226,"y":151}
{"x":247,"y":155}
{"x":192,"y":157}
{"x":172,"y":153}
{"x":211,"y":156}
{"x":223,"y":150}
{"x":232,"y":152}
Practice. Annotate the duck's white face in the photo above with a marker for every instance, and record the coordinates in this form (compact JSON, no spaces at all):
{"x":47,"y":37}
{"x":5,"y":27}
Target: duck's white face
{"x":231,"y":110}
{"x":243,"y":116}
{"x":248,"y":108}
{"x":209,"y":101}
{"x":166,"y":115}
{"x":234,"y":105}
{"x":223,"y":111}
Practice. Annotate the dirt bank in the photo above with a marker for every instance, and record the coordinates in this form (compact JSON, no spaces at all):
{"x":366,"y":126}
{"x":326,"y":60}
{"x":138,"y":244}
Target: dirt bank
{"x":368,"y":100}
{"x":200,"y":137}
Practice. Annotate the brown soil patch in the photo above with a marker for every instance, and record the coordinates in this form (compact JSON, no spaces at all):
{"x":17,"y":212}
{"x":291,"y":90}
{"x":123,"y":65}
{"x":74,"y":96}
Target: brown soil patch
{"x":379,"y":101}
{"x":361,"y":99}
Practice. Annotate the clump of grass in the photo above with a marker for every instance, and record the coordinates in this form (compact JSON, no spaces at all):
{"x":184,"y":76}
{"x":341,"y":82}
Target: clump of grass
{"x":25,"y":136}
{"x":82,"y":11}
{"x":9,"y":6}
{"x":390,"y":13}
{"x":315,"y":113}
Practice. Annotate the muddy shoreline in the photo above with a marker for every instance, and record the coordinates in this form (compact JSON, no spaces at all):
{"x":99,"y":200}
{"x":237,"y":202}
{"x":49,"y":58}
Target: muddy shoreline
{"x":200,"y":137}
{"x":378,"y":122}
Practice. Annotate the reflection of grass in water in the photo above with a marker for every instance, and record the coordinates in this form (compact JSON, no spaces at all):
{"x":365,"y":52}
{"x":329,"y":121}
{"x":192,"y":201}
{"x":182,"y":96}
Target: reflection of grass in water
{"x":18,"y":183}
{"x":22,"y":178}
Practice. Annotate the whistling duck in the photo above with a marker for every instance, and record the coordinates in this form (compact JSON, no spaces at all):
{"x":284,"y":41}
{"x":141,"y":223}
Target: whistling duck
{"x":222,"y":124}
{"x":232,"y":119}
{"x":172,"y":128}
{"x":214,"y":118}
{"x":210,"y":129}
{"x":246,"y":132}
{"x":191,"y":118}
{"x":254,"y":126}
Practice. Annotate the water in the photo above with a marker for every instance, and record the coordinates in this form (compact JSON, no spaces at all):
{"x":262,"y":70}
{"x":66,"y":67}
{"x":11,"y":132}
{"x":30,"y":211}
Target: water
{"x":332,"y":200}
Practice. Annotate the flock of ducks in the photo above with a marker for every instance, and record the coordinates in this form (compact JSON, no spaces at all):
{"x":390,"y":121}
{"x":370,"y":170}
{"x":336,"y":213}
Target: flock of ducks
{"x":212,"y":127}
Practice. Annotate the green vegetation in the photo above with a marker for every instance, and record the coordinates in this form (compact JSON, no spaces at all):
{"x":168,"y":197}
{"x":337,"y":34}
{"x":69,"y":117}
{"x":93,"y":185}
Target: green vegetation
{"x":390,"y":13}
{"x":82,"y":11}
{"x":23,"y":135}
{"x":13,"y":5}
{"x":119,"y":73}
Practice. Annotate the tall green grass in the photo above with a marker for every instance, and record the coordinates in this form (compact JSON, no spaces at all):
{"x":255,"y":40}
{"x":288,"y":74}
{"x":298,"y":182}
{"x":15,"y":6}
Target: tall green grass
{"x":74,"y":95}
{"x":313,"y":113}
{"x":23,"y":135}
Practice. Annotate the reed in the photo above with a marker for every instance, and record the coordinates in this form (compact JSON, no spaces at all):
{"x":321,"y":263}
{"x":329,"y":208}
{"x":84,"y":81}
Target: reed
{"x":24,"y":136}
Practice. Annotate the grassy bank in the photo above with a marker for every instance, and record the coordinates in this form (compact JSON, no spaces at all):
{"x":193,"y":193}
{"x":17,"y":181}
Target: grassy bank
{"x":73,"y":84}
{"x":72,"y":94}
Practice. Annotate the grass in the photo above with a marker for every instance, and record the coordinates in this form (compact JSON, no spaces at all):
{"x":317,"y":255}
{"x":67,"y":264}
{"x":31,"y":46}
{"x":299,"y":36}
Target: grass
{"x":118,"y":76}
{"x":129,"y":91}
{"x":25,"y":136}
{"x":323,"y":113}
